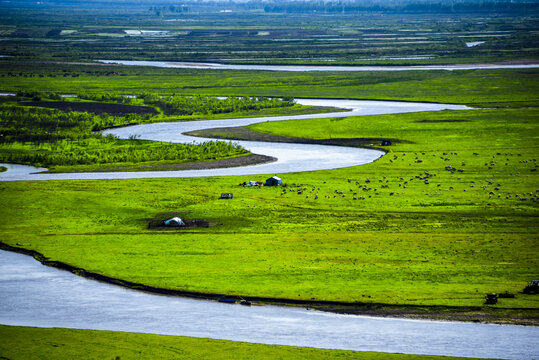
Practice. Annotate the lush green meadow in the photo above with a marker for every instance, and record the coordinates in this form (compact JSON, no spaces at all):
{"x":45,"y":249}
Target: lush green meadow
{"x":413,"y":233}
{"x":64,"y":135}
{"x":489,"y":88}
{"x":448,"y":215}
{"x":31,"y":343}
{"x":402,"y":230}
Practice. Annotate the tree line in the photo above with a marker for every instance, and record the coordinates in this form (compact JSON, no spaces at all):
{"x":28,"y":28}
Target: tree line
{"x":401,"y":6}
{"x":192,"y":105}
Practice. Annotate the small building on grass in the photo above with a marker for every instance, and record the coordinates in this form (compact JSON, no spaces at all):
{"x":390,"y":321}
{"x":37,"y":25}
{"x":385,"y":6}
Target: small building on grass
{"x":174,"y":222}
{"x":274,"y":181}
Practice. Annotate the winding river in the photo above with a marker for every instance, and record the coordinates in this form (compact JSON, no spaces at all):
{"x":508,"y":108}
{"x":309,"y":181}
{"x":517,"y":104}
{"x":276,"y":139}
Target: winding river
{"x":290,"y":157}
{"x":35,"y":295}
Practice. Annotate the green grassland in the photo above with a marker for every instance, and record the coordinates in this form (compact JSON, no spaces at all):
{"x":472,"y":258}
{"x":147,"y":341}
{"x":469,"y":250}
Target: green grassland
{"x":402,"y":230}
{"x":448,"y":242}
{"x":25,"y":343}
{"x":488,"y":88}
{"x":406,"y":230}
{"x":64,"y":140}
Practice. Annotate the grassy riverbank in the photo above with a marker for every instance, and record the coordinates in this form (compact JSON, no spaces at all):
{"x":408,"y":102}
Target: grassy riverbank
{"x":422,"y":235}
{"x":25,"y":343}
{"x":64,"y":136}
{"x":419,"y":231}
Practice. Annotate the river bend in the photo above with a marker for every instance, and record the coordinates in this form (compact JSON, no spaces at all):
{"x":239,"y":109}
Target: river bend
{"x":290,"y":157}
{"x":35,"y":295}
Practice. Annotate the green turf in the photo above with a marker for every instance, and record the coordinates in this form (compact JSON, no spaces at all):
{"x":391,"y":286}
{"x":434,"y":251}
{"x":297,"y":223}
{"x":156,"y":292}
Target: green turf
{"x":495,"y":87}
{"x":35,"y":343}
{"x":448,"y":242}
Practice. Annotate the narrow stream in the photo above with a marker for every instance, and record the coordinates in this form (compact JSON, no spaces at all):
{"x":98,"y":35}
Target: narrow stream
{"x":217,"y":66}
{"x":35,"y":295}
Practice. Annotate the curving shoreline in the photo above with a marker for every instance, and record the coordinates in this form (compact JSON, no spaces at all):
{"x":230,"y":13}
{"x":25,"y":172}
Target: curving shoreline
{"x":176,"y":132}
{"x":409,"y":311}
{"x":291,"y":157}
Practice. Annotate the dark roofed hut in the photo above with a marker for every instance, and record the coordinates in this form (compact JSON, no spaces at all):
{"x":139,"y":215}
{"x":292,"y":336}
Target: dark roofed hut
{"x":274,"y":181}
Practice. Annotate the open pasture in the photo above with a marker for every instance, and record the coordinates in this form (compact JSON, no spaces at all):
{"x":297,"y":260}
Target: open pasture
{"x":402,"y":230}
{"x":448,"y":215}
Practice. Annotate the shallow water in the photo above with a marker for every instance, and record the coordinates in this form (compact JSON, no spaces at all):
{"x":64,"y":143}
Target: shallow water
{"x":35,"y":295}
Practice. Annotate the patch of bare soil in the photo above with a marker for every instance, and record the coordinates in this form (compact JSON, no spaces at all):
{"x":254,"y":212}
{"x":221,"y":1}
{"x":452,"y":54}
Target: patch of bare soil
{"x":244,"y":133}
{"x":485,"y":314}
{"x":94,"y":107}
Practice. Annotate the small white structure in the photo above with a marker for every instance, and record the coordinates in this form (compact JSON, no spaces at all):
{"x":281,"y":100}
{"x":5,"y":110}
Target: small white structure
{"x":175,"y":221}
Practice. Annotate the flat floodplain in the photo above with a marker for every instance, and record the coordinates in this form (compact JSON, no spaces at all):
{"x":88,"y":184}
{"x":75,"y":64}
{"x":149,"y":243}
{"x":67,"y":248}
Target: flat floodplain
{"x":448,"y":215}
{"x":421,"y":234}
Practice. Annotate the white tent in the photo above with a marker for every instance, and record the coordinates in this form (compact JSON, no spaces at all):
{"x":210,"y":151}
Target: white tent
{"x":175,"y":221}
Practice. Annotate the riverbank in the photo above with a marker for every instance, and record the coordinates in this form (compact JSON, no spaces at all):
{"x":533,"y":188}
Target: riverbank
{"x":476,"y":314}
{"x":239,"y":161}
{"x":21,"y":343}
{"x":246,"y":134}
{"x":415,"y":232}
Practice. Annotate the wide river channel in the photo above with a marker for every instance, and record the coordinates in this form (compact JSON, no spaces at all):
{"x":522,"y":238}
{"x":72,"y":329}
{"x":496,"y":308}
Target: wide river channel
{"x":34,"y":295}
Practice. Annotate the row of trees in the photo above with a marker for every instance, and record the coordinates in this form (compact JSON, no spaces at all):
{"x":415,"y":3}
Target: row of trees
{"x":37,"y":125}
{"x":406,"y":6}
{"x":109,"y":150}
{"x":354,"y":6}
{"x":192,"y":105}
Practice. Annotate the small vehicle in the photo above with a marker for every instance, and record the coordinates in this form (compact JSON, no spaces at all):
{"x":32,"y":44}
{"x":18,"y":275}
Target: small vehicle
{"x":491,"y":299}
{"x":532,"y":288}
{"x":227,"y":300}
